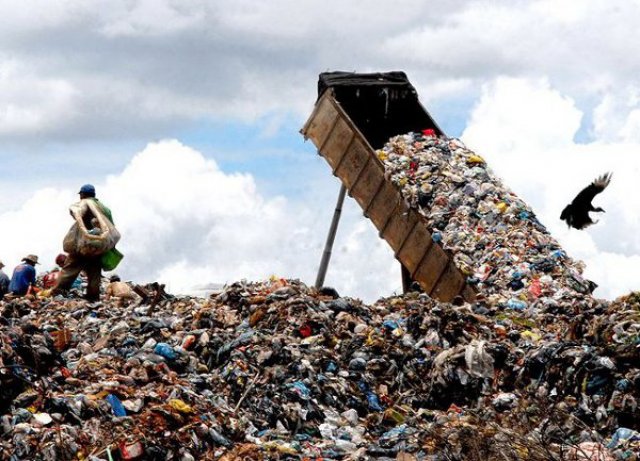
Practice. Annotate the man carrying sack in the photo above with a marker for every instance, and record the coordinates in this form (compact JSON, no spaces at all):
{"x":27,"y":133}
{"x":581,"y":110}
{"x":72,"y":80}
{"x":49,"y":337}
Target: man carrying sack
{"x":89,"y":243}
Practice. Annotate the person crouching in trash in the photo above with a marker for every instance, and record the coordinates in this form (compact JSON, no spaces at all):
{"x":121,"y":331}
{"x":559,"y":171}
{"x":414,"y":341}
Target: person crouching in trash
{"x":91,"y":237}
{"x":121,"y":291}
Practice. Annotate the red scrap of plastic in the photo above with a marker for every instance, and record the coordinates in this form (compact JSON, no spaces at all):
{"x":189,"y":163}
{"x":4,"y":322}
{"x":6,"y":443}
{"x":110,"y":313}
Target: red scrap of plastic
{"x":384,"y":398}
{"x":131,"y":450}
{"x":453,"y":408}
{"x":535,"y":288}
{"x":305,"y":331}
{"x":430,"y":132}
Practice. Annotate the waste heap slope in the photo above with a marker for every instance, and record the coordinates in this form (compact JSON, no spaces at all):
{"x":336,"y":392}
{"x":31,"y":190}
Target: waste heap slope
{"x":275,"y":370}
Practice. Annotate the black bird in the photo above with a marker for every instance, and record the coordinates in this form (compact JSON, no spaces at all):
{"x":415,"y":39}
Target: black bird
{"x":576,"y":214}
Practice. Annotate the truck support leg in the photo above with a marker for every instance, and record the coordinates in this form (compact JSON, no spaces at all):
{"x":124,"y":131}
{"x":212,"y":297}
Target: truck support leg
{"x":326,"y":255}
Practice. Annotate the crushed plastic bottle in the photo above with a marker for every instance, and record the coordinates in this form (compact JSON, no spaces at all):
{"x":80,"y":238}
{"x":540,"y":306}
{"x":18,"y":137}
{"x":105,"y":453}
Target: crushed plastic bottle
{"x":165,"y":350}
{"x":116,"y":405}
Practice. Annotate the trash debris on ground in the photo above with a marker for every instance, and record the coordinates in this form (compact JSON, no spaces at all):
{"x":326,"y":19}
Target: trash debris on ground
{"x":275,"y":369}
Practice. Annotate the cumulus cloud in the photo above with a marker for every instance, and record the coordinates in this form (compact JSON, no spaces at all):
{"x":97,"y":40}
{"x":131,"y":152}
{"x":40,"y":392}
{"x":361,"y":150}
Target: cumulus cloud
{"x":29,"y":103}
{"x":523,"y":114}
{"x":138,"y":69}
{"x":525,"y":129}
{"x":617,"y":117}
{"x":149,"y":18}
{"x":187,"y":223}
{"x":35,"y":228}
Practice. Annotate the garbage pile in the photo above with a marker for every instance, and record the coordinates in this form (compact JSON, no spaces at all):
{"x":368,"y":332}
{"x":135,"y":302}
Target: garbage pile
{"x":496,"y":239}
{"x":275,"y":369}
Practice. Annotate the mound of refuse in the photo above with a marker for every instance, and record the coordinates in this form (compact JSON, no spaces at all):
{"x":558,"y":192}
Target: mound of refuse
{"x":275,"y":369}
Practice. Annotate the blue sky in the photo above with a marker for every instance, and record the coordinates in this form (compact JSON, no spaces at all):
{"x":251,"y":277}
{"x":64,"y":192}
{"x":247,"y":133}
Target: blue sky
{"x":270,"y":148}
{"x":136,"y":96}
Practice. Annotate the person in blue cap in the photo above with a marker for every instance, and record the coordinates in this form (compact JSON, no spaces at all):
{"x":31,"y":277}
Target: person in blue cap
{"x":76,"y":263}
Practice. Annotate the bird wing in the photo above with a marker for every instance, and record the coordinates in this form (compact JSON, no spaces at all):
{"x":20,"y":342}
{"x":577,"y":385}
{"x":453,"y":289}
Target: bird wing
{"x":588,"y":193}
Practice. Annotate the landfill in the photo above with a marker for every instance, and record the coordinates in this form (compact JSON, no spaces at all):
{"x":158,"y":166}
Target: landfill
{"x":535,"y":369}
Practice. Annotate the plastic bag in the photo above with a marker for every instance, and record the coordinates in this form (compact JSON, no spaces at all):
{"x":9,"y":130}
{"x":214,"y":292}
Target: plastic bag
{"x":111,"y":259}
{"x":479,"y":361}
{"x":80,"y":242}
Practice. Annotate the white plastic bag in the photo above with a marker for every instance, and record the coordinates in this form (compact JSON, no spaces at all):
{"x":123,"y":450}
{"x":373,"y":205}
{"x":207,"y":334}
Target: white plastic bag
{"x":479,"y":361}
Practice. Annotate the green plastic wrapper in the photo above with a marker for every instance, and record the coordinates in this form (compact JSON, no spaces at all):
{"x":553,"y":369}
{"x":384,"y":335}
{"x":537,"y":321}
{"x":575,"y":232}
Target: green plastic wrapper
{"x":111,"y":259}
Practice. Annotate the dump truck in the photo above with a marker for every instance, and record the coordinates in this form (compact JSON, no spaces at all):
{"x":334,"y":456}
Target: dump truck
{"x":355,"y":115}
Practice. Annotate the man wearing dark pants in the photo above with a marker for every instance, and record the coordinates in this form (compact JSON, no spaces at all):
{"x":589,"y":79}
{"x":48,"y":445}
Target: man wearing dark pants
{"x":92,"y":267}
{"x":76,"y":263}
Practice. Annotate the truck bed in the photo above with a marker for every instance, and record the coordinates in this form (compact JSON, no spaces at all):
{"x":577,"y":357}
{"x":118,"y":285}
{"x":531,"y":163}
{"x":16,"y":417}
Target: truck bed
{"x":353,"y":160}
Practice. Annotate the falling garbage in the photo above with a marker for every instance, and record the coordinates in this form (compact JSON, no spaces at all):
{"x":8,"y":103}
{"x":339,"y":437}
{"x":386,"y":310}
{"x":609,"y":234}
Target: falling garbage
{"x":496,"y":239}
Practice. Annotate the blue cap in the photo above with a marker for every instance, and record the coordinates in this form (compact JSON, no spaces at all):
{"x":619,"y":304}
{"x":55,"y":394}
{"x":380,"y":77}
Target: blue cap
{"x":87,"y":189}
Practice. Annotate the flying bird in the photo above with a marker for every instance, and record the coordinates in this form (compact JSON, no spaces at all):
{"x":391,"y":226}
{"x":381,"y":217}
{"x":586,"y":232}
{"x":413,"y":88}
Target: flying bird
{"x":576,"y":214}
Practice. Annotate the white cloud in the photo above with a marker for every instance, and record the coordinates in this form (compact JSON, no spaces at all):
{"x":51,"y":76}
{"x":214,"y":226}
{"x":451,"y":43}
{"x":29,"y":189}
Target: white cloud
{"x":516,"y":114}
{"x":617,"y":117}
{"x":143,"y":66}
{"x":362,"y":262}
{"x":29,"y":103}
{"x":148,"y":18}
{"x":185,"y":222}
{"x":35,"y":228}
